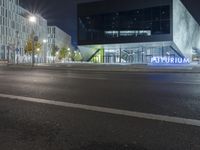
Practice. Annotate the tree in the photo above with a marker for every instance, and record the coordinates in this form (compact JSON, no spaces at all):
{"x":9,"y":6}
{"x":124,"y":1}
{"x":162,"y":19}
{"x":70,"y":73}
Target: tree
{"x":54,"y":50}
{"x":63,"y":53}
{"x":29,"y":46}
{"x":69,"y":54}
{"x":38,"y":47}
{"x":77,"y":56}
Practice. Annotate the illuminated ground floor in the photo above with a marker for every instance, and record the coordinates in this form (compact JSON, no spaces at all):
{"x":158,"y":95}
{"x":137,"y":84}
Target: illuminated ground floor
{"x":141,"y":53}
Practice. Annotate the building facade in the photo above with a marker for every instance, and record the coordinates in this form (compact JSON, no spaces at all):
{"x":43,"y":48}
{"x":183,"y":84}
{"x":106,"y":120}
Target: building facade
{"x":15,"y":29}
{"x":157,"y":31}
{"x":58,"y":38}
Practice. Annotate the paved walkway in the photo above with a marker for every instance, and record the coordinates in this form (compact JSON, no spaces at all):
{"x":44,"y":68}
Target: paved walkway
{"x":114,"y":67}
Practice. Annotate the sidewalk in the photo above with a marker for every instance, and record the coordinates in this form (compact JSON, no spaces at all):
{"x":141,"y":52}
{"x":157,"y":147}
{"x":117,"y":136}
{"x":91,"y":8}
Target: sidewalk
{"x":137,"y":68}
{"x":3,"y":65}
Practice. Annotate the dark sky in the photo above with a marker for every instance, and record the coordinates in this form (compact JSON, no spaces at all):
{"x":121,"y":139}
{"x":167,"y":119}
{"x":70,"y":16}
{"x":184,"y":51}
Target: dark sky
{"x":63,"y":12}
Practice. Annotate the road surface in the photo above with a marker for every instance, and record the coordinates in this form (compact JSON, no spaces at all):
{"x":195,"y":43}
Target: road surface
{"x":46,"y":109}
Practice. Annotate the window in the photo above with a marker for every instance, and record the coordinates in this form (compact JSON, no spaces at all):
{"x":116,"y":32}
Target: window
{"x":147,"y":14}
{"x":165,"y":15}
{"x":139,"y":22}
{"x":156,"y":14}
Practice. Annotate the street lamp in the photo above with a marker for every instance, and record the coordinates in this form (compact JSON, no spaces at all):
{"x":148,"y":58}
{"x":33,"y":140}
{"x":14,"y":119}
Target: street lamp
{"x":44,"y":41}
{"x":32,"y":19}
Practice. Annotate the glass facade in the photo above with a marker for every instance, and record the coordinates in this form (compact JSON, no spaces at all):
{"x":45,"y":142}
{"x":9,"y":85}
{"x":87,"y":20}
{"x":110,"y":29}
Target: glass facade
{"x":125,"y":24}
{"x":134,"y":55}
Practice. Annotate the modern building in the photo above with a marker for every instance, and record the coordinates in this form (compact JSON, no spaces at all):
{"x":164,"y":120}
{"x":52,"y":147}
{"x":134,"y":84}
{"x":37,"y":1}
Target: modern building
{"x":57,"y":37}
{"x":156,"y":31}
{"x":15,"y":29}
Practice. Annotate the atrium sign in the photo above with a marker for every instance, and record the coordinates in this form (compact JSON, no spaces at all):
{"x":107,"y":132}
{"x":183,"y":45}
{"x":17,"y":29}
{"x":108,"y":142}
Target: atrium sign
{"x":169,"y":60}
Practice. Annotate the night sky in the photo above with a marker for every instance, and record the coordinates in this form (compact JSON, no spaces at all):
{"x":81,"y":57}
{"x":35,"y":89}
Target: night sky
{"x":63,"y":12}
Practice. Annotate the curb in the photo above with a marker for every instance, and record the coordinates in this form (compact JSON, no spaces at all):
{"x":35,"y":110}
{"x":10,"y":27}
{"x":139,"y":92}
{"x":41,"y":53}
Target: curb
{"x":129,"y":69}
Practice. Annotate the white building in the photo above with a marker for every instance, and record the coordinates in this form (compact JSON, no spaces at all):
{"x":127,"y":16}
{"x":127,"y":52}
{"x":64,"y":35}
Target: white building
{"x":57,"y":37}
{"x":39,"y":28}
{"x":15,"y":28}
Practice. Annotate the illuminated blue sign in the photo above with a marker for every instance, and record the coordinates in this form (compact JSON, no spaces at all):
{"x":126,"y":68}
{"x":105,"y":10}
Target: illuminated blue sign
{"x":169,"y":60}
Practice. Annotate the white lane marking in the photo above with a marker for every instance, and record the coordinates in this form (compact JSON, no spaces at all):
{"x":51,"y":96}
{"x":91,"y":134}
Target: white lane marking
{"x":134,"y":114}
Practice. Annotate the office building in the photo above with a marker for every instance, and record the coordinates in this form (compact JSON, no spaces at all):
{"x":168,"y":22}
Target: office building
{"x":156,"y":31}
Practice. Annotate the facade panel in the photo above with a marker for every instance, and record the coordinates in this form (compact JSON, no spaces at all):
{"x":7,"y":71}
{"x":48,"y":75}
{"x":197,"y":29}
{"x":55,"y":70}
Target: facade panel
{"x":186,"y":31}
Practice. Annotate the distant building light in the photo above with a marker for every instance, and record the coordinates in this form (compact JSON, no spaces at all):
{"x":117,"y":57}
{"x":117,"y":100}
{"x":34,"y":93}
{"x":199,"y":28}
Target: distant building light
{"x":128,"y":33}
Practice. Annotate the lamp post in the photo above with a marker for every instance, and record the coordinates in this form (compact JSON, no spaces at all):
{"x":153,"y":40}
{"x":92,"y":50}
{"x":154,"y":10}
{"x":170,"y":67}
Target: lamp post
{"x":45,"y":50}
{"x":8,"y":54}
{"x":33,"y":20}
{"x":17,"y":46}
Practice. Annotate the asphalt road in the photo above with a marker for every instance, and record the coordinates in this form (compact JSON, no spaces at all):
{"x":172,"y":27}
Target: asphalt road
{"x":36,"y":126}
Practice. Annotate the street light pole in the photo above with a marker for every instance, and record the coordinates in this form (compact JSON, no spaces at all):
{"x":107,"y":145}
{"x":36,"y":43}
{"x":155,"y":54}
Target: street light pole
{"x":45,"y":50}
{"x":32,"y":19}
{"x":35,"y":39}
{"x":17,"y":46}
{"x":33,"y":51}
{"x":8,"y":54}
